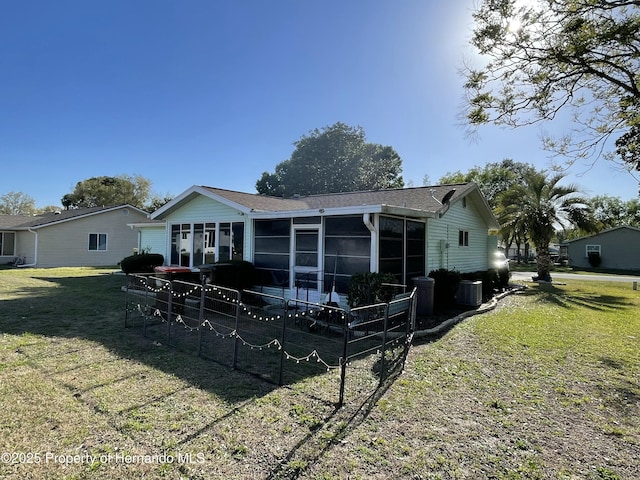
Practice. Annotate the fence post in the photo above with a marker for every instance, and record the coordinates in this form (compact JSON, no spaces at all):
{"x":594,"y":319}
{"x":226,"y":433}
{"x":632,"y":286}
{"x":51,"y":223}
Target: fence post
{"x":383,"y":366}
{"x":343,"y":360}
{"x":201,"y":314}
{"x":169,"y":312}
{"x":126,"y":301}
{"x":235,"y":338}
{"x":146,"y":304}
{"x":282,"y":343}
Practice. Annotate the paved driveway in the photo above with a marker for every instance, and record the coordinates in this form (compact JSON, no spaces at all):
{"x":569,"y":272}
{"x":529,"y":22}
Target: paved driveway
{"x":526,"y":277}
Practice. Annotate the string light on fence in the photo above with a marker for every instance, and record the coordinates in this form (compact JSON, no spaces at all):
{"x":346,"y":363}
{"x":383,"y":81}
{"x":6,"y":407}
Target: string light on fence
{"x":187,"y":327}
{"x":177,"y":294}
{"x":231,"y":334}
{"x":259,"y":347}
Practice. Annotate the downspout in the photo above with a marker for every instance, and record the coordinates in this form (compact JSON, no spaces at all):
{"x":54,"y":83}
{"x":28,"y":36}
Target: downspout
{"x":139,"y":242}
{"x":35,"y":253}
{"x":373,"y":262}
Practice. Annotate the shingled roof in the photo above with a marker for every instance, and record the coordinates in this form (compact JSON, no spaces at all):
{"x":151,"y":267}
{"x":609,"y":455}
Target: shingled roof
{"x":22,"y":222}
{"x":428,"y":199}
{"x":431,"y":201}
{"x":8,"y":222}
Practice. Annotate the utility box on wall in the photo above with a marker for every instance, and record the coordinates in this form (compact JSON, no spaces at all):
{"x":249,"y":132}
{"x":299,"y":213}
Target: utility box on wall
{"x":469,"y":293}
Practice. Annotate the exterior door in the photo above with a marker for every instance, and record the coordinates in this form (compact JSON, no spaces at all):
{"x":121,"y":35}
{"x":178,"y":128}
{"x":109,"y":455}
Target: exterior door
{"x":306,"y":263}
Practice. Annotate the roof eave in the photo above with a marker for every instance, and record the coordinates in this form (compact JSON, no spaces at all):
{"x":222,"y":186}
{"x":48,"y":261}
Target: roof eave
{"x":311,"y":212}
{"x":351,"y":210}
{"x":187,"y":194}
{"x":159,"y":223}
{"x":57,"y":221}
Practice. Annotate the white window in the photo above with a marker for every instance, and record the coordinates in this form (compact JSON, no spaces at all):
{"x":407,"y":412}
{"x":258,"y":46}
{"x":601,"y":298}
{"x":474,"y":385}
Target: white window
{"x":7,"y":243}
{"x":97,"y":242}
{"x":463,"y":238}
{"x":593,"y":249}
{"x":194,"y":244}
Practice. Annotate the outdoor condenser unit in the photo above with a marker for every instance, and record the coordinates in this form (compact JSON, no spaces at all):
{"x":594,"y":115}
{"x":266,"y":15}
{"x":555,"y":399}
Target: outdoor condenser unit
{"x":469,"y":293}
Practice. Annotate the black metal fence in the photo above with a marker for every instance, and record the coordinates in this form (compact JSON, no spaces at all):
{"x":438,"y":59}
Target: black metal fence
{"x":282,"y":341}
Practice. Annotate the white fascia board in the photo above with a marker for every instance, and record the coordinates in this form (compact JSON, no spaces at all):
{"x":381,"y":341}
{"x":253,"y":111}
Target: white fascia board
{"x":196,"y":189}
{"x":147,"y":225}
{"x":314,"y":212}
{"x":173,"y":202}
{"x":351,"y":210}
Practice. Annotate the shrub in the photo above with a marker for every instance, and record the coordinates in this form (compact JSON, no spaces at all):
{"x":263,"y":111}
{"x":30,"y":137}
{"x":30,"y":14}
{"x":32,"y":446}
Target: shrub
{"x":594,"y":259}
{"x":143,"y":263}
{"x":367,"y":288}
{"x":504,"y":275}
{"x":445,"y":287}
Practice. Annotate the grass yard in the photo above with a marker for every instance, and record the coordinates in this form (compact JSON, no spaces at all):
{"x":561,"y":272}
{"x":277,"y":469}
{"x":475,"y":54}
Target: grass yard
{"x":546,"y":386}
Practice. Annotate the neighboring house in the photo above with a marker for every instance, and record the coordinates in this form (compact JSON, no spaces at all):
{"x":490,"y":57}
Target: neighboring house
{"x":312,"y":243}
{"x":98,"y":236}
{"x":617,"y":247}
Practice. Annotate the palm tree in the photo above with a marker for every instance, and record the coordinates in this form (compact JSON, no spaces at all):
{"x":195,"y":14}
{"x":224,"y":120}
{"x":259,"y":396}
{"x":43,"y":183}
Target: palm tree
{"x":539,"y":207}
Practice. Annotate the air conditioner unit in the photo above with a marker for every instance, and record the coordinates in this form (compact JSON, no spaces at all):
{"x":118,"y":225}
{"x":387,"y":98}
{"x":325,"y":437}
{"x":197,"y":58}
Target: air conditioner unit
{"x":469,"y":293}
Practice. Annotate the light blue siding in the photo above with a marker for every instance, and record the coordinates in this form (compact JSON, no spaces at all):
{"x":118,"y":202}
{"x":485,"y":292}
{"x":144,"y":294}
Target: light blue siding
{"x":443,"y":250}
{"x":202,"y":209}
{"x":153,"y":240}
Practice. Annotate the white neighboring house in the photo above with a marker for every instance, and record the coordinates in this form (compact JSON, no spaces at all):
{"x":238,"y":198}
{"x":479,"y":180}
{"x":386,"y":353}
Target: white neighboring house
{"x":316,"y":242}
{"x":98,"y":236}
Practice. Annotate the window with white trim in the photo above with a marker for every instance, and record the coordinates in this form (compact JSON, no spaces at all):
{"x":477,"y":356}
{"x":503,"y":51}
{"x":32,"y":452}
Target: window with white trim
{"x":591,"y":249}
{"x":463,"y":238}
{"x":97,"y":242}
{"x":7,"y":243}
{"x":194,"y":244}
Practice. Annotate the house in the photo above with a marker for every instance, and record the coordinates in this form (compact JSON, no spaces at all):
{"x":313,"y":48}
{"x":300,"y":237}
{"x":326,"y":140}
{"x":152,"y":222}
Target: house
{"x":617,"y":247}
{"x":98,"y":236}
{"x":310,"y":244}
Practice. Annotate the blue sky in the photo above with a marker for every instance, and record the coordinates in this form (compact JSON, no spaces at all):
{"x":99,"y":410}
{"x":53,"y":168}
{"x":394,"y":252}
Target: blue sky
{"x":216,"y":92}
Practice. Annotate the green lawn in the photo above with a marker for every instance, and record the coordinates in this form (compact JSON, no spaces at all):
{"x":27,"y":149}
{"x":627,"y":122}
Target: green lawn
{"x":547,"y":385}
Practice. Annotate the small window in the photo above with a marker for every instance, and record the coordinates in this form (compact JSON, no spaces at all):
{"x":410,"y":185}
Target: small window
{"x":7,"y":243}
{"x":592,"y":249}
{"x":97,"y":242}
{"x":463,"y":238}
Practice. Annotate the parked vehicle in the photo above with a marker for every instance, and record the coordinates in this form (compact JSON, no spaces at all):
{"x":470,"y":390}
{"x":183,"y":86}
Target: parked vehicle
{"x":500,"y":261}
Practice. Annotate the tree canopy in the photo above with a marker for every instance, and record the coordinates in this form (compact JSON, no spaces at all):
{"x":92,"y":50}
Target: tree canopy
{"x":334,"y":159}
{"x":17,"y":203}
{"x":613,"y":212}
{"x":547,"y":56}
{"x":493,"y":178}
{"x":106,"y":191}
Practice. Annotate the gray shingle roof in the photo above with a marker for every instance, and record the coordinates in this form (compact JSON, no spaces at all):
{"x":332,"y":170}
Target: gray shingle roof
{"x":428,"y":199}
{"x":7,"y":222}
{"x":22,"y":222}
{"x":254,"y":201}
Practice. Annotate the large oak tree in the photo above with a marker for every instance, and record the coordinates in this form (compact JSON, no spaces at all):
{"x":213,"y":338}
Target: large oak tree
{"x":337,"y":158}
{"x":108,"y":191}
